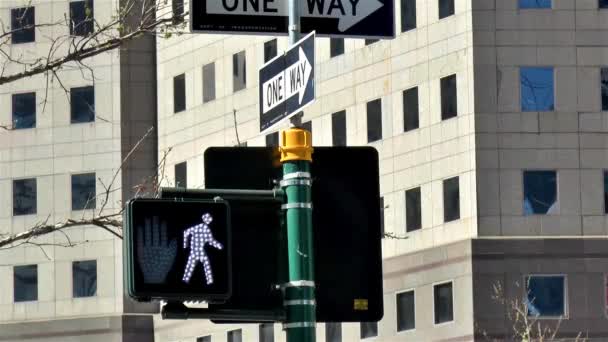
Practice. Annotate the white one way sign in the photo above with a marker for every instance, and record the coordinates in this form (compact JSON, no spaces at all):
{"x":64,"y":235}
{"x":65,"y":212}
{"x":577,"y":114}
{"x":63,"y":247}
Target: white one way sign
{"x":287,"y":83}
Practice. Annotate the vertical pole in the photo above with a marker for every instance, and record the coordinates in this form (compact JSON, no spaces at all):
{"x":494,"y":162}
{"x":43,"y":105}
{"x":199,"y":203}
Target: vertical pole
{"x":294,"y":36}
{"x":299,"y":291}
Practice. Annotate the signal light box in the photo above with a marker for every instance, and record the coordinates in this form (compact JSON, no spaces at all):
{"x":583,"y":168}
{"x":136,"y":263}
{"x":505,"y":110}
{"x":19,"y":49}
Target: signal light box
{"x":178,"y":250}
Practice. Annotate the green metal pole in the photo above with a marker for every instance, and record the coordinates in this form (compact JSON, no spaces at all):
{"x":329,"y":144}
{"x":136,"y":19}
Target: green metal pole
{"x":299,"y":295}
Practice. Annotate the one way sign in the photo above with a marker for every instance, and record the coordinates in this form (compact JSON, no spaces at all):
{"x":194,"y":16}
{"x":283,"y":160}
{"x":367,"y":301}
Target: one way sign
{"x":334,"y":18}
{"x":287,"y":83}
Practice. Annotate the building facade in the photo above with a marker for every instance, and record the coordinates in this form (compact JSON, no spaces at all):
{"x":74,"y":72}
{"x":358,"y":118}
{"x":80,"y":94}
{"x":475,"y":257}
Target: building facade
{"x":489,"y":117}
{"x":65,"y":141}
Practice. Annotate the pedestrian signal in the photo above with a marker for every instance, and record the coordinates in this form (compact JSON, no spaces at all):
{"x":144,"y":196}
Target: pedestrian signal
{"x":178,"y":250}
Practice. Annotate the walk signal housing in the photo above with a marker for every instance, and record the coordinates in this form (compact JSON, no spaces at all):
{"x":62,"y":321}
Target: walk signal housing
{"x":178,"y":250}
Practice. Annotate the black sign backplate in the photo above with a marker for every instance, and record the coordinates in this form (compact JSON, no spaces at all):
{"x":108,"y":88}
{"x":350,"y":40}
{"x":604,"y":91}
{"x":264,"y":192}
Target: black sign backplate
{"x":379,"y":24}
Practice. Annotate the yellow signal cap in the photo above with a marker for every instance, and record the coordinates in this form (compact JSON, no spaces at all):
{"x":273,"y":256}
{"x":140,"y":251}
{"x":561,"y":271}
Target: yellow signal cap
{"x":296,"y":145}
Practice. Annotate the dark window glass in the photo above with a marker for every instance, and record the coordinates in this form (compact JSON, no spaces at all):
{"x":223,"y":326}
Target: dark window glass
{"x":406,"y":311}
{"x":22,"y":25}
{"x":449,"y":102}
{"x":84,"y":278}
{"x":181,"y":175}
{"x":606,"y":199}
{"x":371,"y":41}
{"x":410,"y":109}
{"x":369,"y":329}
{"x":408,"y":15}
{"x":83,"y":191}
{"x":374,"y":120}
{"x":603,"y":3}
{"x":24,"y":196}
{"x":534,"y":3}
{"x":338,"y":128}
{"x":444,"y":310}
{"x":540,"y":192}
{"x":307,"y":126}
{"x":604,"y":87}
{"x":24,"y":110}
{"x":81,"y":18}
{"x":178,"y":10}
{"x":546,"y":296}
{"x":239,"y":71}
{"x":82,"y":104}
{"x":235,"y":336}
{"x":272,"y":139}
{"x":446,"y":8}
{"x":382,"y":216}
{"x":267,"y":332}
{"x":451,"y":200}
{"x":270,"y":50}
{"x":179,"y":93}
{"x":333,"y":332}
{"x":203,"y":339}
{"x":413,"y":212}
{"x":209,"y":82}
{"x":25,"y":283}
{"x":537,"y":94}
{"x":336,"y":47}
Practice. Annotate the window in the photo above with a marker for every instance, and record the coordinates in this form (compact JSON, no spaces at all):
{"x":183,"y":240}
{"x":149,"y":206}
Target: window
{"x":444,"y":309}
{"x":410,"y":109}
{"x":371,"y":41}
{"x":267,"y":332}
{"x":81,"y":18}
{"x":239,"y":71}
{"x":546,"y":295}
{"x":84,"y":278}
{"x":181,"y":175}
{"x":83,"y":191}
{"x":603,"y":4}
{"x":307,"y":126}
{"x":22,"y":25}
{"x":534,"y":3}
{"x":369,"y":329}
{"x":374,"y":120}
{"x":606,"y":192}
{"x":338,"y":128}
{"x":235,"y":336}
{"x":413,"y":212}
{"x":449,"y":101}
{"x":333,"y":332}
{"x":24,"y":196}
{"x":446,"y":8}
{"x":24,"y":110}
{"x":604,"y":86}
{"x":382,"y":217}
{"x":408,"y":15}
{"x":272,"y":139}
{"x":203,"y":339}
{"x":178,"y":10}
{"x":25,"y":283}
{"x":270,"y":50}
{"x":540,"y":192}
{"x":451,"y":200}
{"x":336,"y":47}
{"x":179,"y":93}
{"x":82,"y":104}
{"x":406,"y":311}
{"x":537,"y":92}
{"x":209,"y":82}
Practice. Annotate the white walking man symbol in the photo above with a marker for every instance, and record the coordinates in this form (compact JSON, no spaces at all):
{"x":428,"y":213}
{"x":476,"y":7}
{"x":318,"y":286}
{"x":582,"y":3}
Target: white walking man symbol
{"x":200,"y":235}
